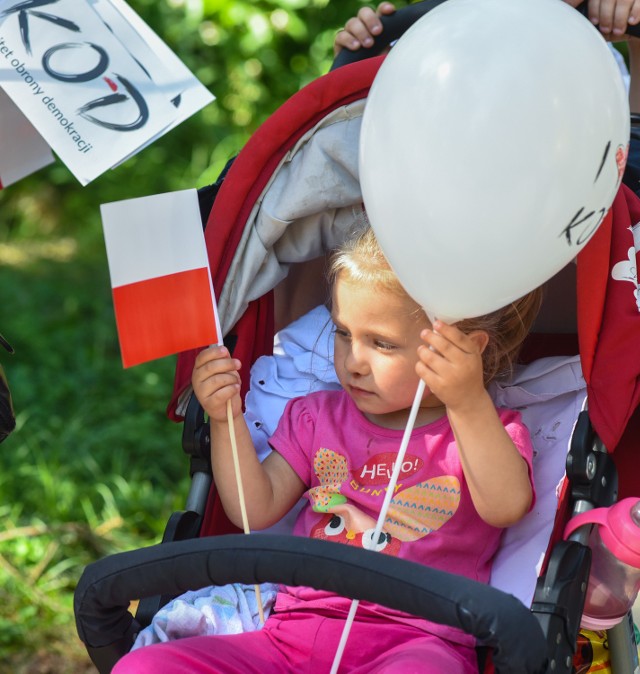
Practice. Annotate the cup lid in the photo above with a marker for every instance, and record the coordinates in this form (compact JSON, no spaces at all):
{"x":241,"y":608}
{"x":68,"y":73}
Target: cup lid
{"x":621,"y":533}
{"x":619,"y":528}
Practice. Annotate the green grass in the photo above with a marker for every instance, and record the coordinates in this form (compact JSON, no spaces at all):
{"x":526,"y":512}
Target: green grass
{"x":94,"y":465}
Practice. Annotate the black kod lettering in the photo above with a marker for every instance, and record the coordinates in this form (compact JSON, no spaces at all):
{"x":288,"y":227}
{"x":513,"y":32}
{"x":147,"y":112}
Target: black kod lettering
{"x":27,"y":9}
{"x":114,"y":99}
{"x":87,"y":76}
{"x":585,"y":226}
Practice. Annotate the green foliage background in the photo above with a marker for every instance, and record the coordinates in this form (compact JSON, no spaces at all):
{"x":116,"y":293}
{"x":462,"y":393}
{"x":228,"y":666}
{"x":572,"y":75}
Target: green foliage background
{"x":94,"y":466}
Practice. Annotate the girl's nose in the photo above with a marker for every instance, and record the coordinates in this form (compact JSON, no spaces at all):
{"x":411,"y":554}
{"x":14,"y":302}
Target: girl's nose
{"x":355,"y":362}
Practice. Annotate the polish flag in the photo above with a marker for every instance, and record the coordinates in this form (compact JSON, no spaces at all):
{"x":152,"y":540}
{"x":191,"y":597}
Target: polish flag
{"x":162,"y":292}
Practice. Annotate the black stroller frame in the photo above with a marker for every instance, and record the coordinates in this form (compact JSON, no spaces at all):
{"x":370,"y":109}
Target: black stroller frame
{"x":536,"y":640}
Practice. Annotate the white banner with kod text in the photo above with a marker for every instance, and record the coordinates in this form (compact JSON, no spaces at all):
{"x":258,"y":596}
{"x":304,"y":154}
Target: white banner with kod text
{"x":90,"y":76}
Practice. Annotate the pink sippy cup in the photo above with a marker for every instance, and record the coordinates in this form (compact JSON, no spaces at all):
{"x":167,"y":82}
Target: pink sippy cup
{"x":615,"y":566}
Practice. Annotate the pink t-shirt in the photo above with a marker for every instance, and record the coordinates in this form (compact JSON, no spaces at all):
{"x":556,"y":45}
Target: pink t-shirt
{"x":346,"y":461}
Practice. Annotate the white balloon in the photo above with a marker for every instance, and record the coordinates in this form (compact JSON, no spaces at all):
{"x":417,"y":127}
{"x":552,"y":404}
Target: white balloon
{"x":493,"y":142}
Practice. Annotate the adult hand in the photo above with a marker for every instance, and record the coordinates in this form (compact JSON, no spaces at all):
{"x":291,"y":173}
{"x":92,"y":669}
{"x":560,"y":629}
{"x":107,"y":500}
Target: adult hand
{"x":360,"y":30}
{"x":612,"y":16}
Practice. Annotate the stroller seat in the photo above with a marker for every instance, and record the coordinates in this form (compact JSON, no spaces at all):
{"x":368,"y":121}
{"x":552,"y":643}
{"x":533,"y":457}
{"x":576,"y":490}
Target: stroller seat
{"x":549,"y":392}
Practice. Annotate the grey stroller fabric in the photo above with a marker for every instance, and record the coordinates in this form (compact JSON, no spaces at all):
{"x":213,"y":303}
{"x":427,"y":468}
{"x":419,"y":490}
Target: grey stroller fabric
{"x":289,"y":224}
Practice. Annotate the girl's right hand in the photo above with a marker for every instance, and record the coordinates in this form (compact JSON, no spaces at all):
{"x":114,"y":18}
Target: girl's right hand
{"x":215,"y":380}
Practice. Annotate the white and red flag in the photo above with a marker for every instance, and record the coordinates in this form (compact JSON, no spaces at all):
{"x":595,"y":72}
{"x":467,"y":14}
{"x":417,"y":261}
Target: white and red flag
{"x":162,"y":292}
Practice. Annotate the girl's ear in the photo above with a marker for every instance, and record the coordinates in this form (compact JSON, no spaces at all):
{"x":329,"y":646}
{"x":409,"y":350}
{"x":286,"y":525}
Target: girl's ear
{"x":480,"y":338}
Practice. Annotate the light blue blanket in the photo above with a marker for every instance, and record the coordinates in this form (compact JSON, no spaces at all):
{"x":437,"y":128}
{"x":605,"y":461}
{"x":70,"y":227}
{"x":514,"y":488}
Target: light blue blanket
{"x":229,"y":609}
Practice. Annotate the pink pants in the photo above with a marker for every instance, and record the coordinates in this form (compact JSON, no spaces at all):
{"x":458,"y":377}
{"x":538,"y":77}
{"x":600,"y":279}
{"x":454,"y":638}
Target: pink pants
{"x":300,"y":642}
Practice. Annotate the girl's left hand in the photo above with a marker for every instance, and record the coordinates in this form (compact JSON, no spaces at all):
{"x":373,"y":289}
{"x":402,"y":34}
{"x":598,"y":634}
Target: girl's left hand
{"x":450,"y":364}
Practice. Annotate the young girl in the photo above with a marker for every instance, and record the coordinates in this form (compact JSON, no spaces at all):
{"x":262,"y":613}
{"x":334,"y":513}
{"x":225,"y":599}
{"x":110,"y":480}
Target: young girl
{"x":466,"y":475}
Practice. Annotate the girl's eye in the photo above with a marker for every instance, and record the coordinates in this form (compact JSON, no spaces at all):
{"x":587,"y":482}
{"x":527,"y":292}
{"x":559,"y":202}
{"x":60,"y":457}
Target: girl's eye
{"x":340,"y":332}
{"x":385,"y":346}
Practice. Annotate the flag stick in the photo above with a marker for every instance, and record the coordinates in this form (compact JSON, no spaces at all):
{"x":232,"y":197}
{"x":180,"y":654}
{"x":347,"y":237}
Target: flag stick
{"x":383,"y":514}
{"x":243,"y":506}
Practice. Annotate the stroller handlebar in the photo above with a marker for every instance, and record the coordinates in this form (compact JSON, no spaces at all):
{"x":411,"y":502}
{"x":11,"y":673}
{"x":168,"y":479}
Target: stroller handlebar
{"x":396,"y":24}
{"x":106,"y":587}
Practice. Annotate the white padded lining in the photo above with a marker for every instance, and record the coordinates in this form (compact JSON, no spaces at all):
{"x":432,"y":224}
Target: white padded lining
{"x":310,"y":205}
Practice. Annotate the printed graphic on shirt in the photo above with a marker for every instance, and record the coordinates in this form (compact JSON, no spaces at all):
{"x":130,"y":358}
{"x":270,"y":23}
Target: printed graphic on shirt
{"x":342,"y":528}
{"x":417,"y":511}
{"x":379,"y":468}
{"x":332,"y":470}
{"x":414,"y":512}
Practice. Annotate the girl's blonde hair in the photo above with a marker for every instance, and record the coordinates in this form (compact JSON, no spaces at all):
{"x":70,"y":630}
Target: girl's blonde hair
{"x":360,"y":259}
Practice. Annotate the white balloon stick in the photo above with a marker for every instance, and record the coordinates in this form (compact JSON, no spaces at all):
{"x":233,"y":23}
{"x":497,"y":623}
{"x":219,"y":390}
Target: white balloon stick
{"x":382,"y":516}
{"x":399,"y":460}
{"x":345,"y":635}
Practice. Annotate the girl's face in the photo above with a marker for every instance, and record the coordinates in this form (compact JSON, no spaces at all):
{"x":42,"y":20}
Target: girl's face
{"x":377,"y":335}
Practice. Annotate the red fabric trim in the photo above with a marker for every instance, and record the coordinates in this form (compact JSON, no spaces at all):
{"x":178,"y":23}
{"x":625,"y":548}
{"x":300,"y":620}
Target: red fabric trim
{"x":215,"y":521}
{"x":489,"y":667}
{"x":592,"y":273}
{"x":613,"y":383}
{"x":559,"y":522}
{"x":626,"y":458}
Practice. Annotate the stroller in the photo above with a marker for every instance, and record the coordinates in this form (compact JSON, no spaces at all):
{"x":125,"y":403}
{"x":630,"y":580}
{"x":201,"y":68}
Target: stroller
{"x":266,"y":238}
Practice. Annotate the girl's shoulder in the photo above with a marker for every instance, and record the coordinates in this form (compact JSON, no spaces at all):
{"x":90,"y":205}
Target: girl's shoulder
{"x":319,"y":402}
{"x":315,"y":413}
